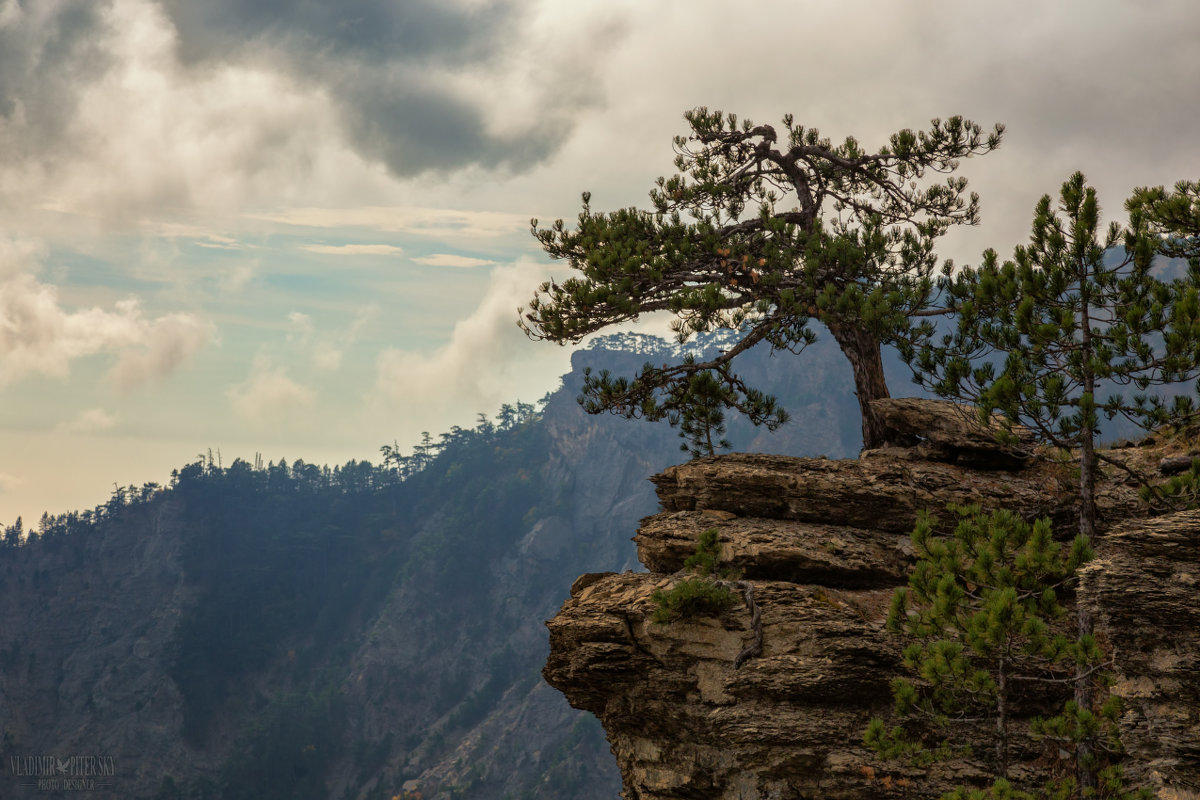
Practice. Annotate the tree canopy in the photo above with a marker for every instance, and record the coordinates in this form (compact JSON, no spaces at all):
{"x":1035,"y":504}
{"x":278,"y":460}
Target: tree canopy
{"x":1075,"y":315}
{"x":1173,"y":216}
{"x":761,"y":232}
{"x":1049,"y":337}
{"x":981,"y":622}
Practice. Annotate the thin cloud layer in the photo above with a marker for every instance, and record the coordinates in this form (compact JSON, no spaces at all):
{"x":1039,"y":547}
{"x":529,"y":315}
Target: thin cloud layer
{"x":269,"y":395}
{"x":425,"y":222}
{"x":93,"y":420}
{"x":354,"y":249}
{"x":452,"y":260}
{"x":486,"y":362}
{"x":9,"y":483}
{"x":38,"y":335}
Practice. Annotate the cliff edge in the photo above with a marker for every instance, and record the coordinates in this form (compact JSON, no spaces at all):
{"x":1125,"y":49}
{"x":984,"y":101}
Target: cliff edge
{"x":824,"y":544}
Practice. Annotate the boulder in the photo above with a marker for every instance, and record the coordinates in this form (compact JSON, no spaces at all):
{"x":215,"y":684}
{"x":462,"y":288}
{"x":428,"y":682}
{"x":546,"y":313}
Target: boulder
{"x":938,"y":430}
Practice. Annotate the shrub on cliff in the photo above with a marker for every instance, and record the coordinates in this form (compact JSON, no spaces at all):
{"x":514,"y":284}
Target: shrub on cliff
{"x":699,"y":595}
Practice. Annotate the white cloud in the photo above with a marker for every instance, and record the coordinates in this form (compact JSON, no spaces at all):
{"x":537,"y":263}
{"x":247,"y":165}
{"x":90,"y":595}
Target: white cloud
{"x":268,"y":394}
{"x":327,"y":356}
{"x":330,"y":348}
{"x":39,"y":336}
{"x":182,"y":230}
{"x":300,"y":326}
{"x":354,"y":249}
{"x":145,"y":136}
{"x":9,"y":482}
{"x":488,"y":360}
{"x":432,"y":222}
{"x":92,"y":420}
{"x":450,"y":260}
{"x":167,"y":342}
{"x":233,"y":280}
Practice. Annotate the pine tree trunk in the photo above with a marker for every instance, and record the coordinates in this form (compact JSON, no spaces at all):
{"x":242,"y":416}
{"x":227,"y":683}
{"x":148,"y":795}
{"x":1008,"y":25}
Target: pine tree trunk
{"x":1002,"y":718}
{"x":861,"y":349}
{"x":1085,"y":773}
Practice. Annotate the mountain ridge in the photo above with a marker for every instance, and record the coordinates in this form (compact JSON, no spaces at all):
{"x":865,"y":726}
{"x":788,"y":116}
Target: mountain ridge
{"x":299,"y":631}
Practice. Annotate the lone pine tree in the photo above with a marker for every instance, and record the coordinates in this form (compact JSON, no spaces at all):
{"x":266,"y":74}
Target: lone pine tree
{"x":761,"y":232}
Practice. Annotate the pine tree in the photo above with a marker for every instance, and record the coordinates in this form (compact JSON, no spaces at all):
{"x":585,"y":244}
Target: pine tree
{"x":1173,"y":217}
{"x":982,"y":619}
{"x":1075,"y":315}
{"x":762,"y":232}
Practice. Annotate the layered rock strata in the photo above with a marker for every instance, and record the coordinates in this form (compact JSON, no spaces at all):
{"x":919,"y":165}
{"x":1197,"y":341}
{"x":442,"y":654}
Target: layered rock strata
{"x":1143,"y":590}
{"x":824,"y":544}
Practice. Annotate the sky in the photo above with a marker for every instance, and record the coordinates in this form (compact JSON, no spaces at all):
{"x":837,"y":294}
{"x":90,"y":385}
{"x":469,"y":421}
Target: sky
{"x":301,"y":228}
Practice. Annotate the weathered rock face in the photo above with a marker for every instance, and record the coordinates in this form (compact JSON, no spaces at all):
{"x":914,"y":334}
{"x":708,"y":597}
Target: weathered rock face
{"x":824,"y":543}
{"x":877,"y":492}
{"x":938,"y":430}
{"x":1143,"y":590}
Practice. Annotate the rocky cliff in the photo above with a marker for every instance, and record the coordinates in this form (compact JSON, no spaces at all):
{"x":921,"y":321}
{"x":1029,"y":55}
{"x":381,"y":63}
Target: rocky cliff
{"x":823,"y":544}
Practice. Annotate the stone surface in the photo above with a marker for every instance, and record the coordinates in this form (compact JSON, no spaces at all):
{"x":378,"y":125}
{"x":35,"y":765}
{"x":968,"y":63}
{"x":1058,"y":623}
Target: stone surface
{"x":801,"y":552}
{"x":824,"y":544}
{"x":938,"y":430}
{"x":875,"y":492}
{"x":1143,"y":590}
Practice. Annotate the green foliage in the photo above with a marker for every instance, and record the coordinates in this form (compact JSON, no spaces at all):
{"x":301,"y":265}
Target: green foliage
{"x":691,"y":597}
{"x":1075,"y":314}
{"x":1173,"y":217}
{"x":1179,"y":491}
{"x":708,"y":553}
{"x":760,"y":233}
{"x":981,"y":618}
{"x":1048,"y":338}
{"x":1001,"y":790}
{"x":1110,"y":786}
{"x":978,"y":615}
{"x":698,"y":596}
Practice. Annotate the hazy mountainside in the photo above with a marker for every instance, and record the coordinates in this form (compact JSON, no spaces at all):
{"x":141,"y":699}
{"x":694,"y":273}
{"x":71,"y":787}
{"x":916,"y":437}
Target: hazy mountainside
{"x":298,"y":631}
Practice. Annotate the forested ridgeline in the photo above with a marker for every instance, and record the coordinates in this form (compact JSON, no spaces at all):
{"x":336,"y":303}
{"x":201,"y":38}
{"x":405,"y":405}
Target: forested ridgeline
{"x":334,"y":631}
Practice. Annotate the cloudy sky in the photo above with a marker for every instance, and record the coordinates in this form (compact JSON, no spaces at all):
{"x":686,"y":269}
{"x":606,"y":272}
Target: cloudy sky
{"x":300,"y":227}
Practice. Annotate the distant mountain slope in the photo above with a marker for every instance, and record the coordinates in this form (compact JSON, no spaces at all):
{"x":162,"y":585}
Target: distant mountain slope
{"x":296,"y":631}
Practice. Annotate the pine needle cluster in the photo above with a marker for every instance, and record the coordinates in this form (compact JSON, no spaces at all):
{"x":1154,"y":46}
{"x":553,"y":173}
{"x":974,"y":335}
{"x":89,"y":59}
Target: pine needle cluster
{"x":981,"y":616}
{"x":701,"y":595}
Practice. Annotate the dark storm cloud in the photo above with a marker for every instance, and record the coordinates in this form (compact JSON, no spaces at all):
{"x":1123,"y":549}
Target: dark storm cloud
{"x":414,"y":126}
{"x":46,"y":54}
{"x":384,"y":63}
{"x":375,"y":30}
